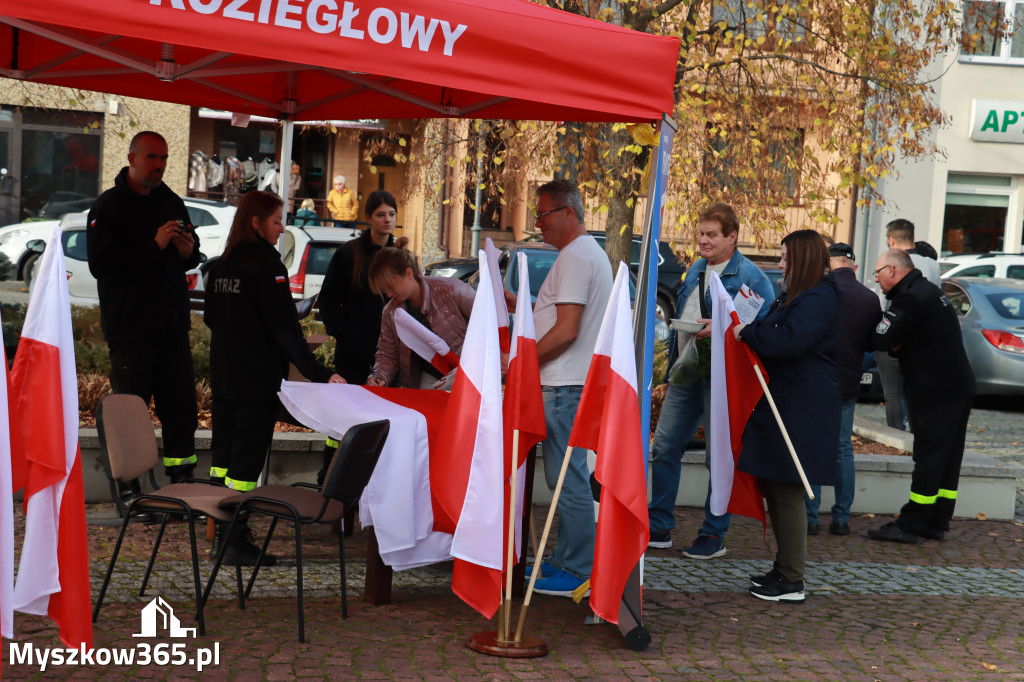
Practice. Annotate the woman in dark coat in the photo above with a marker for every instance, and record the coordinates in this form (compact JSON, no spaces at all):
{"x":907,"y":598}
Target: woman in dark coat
{"x":795,"y":342}
{"x":255,"y":333}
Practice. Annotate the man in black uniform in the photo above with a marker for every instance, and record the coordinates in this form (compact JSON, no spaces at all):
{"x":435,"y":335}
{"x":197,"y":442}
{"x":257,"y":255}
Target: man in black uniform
{"x":140,"y":244}
{"x":922,"y":331}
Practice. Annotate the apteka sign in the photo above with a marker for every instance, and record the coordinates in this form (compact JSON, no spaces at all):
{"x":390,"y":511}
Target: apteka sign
{"x":380,"y":24}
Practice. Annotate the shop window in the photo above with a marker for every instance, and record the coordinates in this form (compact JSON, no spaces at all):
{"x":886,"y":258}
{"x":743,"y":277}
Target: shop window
{"x":995,"y":29}
{"x":976,"y":210}
{"x":60,"y":167}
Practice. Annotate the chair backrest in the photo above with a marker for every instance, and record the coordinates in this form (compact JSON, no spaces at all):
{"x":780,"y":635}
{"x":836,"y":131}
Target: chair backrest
{"x":126,"y":436}
{"x":354,"y":461}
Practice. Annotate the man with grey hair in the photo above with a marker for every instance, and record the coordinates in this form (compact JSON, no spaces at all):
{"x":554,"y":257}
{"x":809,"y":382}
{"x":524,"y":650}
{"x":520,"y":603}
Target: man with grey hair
{"x":921,"y":329}
{"x":140,"y":243}
{"x":568,"y":312}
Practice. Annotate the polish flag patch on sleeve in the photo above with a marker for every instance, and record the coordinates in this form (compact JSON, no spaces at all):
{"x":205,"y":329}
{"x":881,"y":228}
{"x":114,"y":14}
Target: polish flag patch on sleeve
{"x":281,"y":279}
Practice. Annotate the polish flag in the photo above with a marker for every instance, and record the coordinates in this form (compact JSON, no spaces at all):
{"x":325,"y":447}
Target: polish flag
{"x":608,"y":422}
{"x":53,"y":575}
{"x":493,"y":254}
{"x":523,"y":406}
{"x":466,"y":472}
{"x":6,"y":509}
{"x":735,"y":392}
{"x":424,"y":342}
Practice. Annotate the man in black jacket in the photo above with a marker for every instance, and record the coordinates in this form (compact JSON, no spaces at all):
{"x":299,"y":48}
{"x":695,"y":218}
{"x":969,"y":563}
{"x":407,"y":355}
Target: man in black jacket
{"x":140,"y":243}
{"x":859,"y":312}
{"x":922,"y":331}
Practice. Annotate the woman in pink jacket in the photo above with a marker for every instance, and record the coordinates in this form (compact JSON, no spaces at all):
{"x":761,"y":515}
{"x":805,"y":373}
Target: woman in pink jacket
{"x":441,"y":304}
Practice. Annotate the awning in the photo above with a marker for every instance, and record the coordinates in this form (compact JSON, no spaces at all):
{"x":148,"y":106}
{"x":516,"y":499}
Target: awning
{"x":331,"y":59}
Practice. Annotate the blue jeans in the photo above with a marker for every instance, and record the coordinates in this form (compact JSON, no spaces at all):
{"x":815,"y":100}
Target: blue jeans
{"x":846,"y":472}
{"x":574,"y":551}
{"x":681,"y":413}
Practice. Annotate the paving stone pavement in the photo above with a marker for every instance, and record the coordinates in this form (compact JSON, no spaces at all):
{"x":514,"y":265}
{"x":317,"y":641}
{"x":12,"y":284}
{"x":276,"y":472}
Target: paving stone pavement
{"x":875,"y":611}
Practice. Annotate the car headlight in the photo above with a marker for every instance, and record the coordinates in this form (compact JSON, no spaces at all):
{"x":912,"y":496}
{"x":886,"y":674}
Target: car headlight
{"x":9,"y":237}
{"x":442,"y":272}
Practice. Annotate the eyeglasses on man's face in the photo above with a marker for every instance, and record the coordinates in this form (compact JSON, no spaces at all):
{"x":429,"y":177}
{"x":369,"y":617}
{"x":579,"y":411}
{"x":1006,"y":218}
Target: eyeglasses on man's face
{"x":882,"y":268}
{"x":539,"y":216}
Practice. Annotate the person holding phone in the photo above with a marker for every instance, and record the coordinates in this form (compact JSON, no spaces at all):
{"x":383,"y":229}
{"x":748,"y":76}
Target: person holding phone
{"x":140,"y":244}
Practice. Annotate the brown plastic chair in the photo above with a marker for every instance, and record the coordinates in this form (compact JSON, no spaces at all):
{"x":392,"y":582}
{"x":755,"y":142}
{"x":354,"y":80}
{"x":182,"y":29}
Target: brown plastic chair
{"x":129,"y":447}
{"x":303,"y":504}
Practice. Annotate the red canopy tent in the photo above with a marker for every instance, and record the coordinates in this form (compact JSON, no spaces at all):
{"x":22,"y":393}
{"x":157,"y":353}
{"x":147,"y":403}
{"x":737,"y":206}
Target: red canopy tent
{"x":312,"y":60}
{"x":323,"y":59}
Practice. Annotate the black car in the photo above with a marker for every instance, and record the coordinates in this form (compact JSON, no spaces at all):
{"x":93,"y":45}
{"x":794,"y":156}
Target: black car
{"x":461,"y":268}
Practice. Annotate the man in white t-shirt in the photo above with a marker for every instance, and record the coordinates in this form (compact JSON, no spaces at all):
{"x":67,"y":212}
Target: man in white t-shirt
{"x":568,"y":313}
{"x":899,"y":234}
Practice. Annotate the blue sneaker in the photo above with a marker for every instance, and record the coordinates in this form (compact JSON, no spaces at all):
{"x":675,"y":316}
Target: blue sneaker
{"x":561,"y":584}
{"x":546,"y":571}
{"x":705,"y":547}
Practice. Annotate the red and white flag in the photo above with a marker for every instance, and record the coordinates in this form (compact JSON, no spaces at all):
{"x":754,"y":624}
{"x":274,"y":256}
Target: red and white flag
{"x":608,"y":422}
{"x":523,"y":406}
{"x":6,"y":508}
{"x":735,"y":392}
{"x":493,"y":254}
{"x":53,"y":573}
{"x":467,"y":471}
{"x":424,"y":342}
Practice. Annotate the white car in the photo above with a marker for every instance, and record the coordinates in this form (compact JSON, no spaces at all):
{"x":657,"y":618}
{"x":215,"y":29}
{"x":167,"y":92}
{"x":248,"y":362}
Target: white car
{"x":211,"y":220}
{"x":82,"y":290}
{"x":306,"y":252}
{"x":1008,"y":265}
{"x":14,"y":241}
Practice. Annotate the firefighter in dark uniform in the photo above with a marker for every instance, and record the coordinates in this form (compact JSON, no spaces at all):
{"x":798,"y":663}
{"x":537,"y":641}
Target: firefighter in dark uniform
{"x":255,"y":334}
{"x":922,"y":331}
{"x":140,"y":244}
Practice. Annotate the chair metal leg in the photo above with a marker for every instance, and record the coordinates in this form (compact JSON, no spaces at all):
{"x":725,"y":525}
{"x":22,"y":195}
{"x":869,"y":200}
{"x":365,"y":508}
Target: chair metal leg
{"x":259,"y":559}
{"x":195,"y":575}
{"x":298,"y":580}
{"x":110,"y":569}
{"x":152,"y":557}
{"x":344,"y":585}
{"x":217,"y":563}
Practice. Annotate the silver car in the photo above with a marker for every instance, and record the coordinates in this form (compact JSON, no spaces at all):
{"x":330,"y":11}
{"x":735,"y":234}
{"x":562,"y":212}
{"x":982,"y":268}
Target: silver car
{"x":991,"y":314}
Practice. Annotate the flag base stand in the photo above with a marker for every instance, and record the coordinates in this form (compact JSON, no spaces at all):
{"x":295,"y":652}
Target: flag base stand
{"x":488,"y":643}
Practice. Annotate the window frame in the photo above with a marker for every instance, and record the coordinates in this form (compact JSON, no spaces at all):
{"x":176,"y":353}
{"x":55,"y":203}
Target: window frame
{"x":1005,"y":42}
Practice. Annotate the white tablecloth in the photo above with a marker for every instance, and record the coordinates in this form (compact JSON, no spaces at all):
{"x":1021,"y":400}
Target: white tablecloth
{"x":396,"y":502}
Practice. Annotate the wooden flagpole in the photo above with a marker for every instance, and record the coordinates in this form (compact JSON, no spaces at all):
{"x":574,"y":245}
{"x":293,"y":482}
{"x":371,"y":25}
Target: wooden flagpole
{"x":509,"y":560}
{"x":785,"y":434}
{"x":539,"y":555}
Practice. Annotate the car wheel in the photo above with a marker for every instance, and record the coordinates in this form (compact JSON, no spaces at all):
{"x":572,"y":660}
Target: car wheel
{"x":29,"y":269}
{"x":665,"y":308}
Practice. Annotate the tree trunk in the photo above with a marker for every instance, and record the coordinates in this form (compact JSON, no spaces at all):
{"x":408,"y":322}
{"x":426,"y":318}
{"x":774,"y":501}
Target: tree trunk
{"x":625,"y":177}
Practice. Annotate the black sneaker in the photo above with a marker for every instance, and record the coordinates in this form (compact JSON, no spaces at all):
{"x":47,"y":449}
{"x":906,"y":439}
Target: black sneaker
{"x":839,"y":528}
{"x":771,"y":576}
{"x":890,"y":532}
{"x":812,"y":529}
{"x":660,"y":539}
{"x":780,"y":590}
